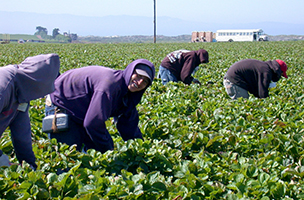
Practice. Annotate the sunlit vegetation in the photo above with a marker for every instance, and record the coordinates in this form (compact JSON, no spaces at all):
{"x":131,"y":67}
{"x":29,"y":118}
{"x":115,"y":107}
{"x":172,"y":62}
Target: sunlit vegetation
{"x":198,"y":144}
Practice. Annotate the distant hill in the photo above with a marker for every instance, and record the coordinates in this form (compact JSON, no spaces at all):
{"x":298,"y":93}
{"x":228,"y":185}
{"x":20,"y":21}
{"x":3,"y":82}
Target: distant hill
{"x":20,"y":36}
{"x":136,"y":38}
{"x":286,"y":37}
{"x":123,"y":25}
{"x":163,"y":39}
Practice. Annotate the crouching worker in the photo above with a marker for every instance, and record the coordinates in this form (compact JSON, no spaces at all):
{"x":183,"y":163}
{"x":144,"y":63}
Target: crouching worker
{"x":19,"y":84}
{"x":90,"y":95}
{"x":253,"y":76}
{"x":181,"y":65}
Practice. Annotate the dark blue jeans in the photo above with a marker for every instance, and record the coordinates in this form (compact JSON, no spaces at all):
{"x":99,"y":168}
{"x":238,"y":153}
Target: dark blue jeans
{"x":166,"y":75}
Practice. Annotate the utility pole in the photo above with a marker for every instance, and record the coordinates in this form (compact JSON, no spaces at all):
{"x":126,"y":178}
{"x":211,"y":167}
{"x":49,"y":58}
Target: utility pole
{"x":154,"y":21}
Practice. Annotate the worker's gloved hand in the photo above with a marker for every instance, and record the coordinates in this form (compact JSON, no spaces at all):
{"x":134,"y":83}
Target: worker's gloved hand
{"x":4,"y":161}
{"x":33,"y":167}
{"x":196,"y":81}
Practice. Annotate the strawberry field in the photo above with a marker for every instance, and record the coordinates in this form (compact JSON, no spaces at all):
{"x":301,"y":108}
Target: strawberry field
{"x":198,"y":144}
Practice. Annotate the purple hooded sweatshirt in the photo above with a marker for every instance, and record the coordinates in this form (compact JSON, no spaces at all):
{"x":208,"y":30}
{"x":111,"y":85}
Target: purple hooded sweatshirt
{"x":182,"y":63}
{"x":19,"y":84}
{"x":93,"y":94}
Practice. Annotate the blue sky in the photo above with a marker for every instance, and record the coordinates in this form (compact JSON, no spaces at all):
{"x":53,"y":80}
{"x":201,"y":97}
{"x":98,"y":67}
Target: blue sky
{"x":243,"y":11}
{"x":201,"y":11}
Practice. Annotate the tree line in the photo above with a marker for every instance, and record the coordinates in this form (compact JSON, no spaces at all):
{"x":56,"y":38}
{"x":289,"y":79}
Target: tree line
{"x":65,"y":37}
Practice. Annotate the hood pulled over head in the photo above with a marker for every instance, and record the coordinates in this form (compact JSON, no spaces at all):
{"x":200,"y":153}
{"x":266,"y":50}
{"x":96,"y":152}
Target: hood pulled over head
{"x":275,"y":67}
{"x":36,"y":75}
{"x":135,"y":97}
{"x":127,"y":73}
{"x":203,"y":56}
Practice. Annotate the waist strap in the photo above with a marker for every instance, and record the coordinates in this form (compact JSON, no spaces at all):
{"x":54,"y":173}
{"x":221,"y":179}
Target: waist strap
{"x":48,"y":102}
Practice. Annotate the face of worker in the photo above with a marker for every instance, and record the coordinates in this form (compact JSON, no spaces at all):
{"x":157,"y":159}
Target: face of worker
{"x":138,"y":82}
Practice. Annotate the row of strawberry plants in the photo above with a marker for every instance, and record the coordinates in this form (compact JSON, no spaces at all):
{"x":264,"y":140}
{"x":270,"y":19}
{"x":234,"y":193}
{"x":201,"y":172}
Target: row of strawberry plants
{"x":198,"y":144}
